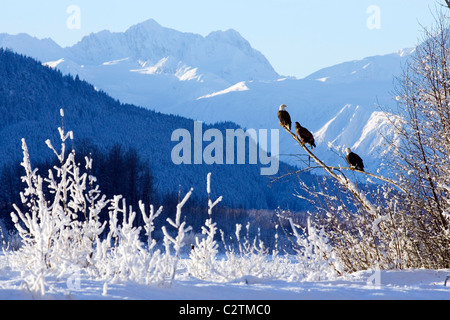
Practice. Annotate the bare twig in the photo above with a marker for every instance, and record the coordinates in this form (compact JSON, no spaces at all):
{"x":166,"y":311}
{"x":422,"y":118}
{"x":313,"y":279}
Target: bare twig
{"x":339,"y":169}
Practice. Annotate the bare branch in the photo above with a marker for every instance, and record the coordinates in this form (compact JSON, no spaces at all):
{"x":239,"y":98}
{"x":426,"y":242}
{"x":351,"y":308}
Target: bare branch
{"x":339,"y":169}
{"x":340,"y":178}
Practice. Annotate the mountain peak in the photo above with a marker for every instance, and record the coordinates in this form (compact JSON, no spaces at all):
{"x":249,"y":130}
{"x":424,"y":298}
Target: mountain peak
{"x":230,"y":33}
{"x":147,"y":25}
{"x":230,"y":36}
{"x":223,"y":58}
{"x":224,"y":55}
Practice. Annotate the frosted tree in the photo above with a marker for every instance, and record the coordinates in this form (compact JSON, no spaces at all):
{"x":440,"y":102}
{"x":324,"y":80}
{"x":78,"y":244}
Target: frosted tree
{"x":423,"y":95}
{"x":348,"y":214}
{"x":127,"y":259}
{"x":317,"y":258}
{"x":149,"y":223}
{"x":51,"y":233}
{"x":171,"y":262}
{"x":203,"y":256}
{"x":402,"y":223}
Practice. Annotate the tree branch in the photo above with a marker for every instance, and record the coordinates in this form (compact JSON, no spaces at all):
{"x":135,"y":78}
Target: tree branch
{"x":342,"y":180}
{"x":381,"y":178}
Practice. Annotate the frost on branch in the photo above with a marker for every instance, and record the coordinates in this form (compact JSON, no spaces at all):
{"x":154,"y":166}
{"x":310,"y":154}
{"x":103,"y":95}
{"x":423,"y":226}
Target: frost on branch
{"x":61,"y":230}
{"x":316,"y":256}
{"x":171,"y":263}
{"x":149,"y":223}
{"x":202,"y":262}
{"x":52,"y":234}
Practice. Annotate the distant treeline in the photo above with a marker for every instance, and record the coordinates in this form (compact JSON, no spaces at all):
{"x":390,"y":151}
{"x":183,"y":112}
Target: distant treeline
{"x":121,"y":171}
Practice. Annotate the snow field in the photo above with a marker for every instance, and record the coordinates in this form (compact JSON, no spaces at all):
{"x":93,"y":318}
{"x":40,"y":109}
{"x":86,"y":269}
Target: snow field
{"x":396,"y":285}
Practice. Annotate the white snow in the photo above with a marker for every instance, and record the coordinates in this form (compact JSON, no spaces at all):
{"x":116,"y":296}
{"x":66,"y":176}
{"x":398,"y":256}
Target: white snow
{"x":366,"y":285}
{"x":53,"y":64}
{"x":187,"y":73}
{"x":324,"y":79}
{"x":113,"y":62}
{"x":154,"y":69}
{"x":236,"y":88}
{"x":370,"y":133}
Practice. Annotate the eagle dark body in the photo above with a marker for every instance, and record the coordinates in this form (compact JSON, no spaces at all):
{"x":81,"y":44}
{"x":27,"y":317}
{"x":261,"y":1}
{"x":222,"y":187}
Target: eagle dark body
{"x":284,"y":117}
{"x":305,"y":135}
{"x":354,"y":161}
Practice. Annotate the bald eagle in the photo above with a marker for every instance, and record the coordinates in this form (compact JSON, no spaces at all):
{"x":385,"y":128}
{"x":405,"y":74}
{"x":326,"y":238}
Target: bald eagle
{"x":354,"y":161}
{"x":305,"y":135}
{"x":285,"y":118}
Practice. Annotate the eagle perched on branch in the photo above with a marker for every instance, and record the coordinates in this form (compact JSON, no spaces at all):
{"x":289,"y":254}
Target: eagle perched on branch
{"x":285,"y":118}
{"x":354,"y":161}
{"x":305,"y":135}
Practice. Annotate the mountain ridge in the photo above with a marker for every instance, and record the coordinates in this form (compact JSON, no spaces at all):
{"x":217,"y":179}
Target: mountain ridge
{"x":150,"y":42}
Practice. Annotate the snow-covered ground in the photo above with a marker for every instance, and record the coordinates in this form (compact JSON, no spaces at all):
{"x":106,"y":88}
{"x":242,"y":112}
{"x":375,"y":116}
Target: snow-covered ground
{"x":367,"y":285}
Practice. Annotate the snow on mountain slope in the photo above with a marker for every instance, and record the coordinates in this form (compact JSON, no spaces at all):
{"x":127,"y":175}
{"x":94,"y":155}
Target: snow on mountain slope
{"x":377,"y":68}
{"x":222,"y":55}
{"x":237,"y":87}
{"x":220,"y":77}
{"x":138,"y":65}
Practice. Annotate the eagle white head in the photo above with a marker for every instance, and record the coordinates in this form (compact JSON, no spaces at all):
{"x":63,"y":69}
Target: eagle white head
{"x":348,"y":151}
{"x":282,"y":107}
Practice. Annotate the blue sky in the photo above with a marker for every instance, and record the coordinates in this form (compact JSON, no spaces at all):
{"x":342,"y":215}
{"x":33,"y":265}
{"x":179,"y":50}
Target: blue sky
{"x":298,"y":37}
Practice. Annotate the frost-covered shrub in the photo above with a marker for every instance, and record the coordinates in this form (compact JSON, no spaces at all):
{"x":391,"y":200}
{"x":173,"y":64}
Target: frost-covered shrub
{"x":317,"y":259}
{"x":63,"y":232}
{"x":52,"y":229}
{"x":244,"y":257}
{"x":248,"y":259}
{"x":202,"y":263}
{"x":171,"y":262}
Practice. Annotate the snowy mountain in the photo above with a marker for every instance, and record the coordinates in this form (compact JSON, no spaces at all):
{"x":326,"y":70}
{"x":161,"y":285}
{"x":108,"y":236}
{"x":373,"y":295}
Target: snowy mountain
{"x":152,"y":66}
{"x":221,"y":56}
{"x":377,"y":68}
{"x":220,"y":77}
